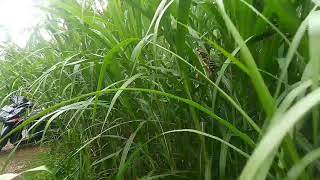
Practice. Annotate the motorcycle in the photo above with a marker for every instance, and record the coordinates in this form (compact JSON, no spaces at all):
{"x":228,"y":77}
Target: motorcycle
{"x":15,"y":114}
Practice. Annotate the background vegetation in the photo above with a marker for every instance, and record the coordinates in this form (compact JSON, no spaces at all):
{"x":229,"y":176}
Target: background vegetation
{"x":173,"y":89}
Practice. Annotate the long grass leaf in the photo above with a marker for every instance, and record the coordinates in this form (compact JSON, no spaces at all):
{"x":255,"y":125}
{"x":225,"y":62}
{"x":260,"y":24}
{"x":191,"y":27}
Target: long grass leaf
{"x":272,"y":139}
{"x":298,"y":168}
{"x":107,"y":60}
{"x":264,"y":95}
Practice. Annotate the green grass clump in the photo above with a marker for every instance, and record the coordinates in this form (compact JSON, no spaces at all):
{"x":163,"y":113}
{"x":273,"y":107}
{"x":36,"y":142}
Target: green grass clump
{"x":174,"y":89}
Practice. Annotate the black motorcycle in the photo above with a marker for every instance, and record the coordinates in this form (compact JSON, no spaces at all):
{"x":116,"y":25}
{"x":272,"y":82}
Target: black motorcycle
{"x":15,"y":114}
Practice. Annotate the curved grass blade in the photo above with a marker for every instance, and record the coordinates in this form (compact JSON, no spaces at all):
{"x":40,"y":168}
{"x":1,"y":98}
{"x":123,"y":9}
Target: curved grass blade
{"x":106,"y":158}
{"x":224,"y":94}
{"x":10,"y":176}
{"x":298,"y":168}
{"x":219,"y":48}
{"x":293,"y":48}
{"x":107,"y":60}
{"x":137,"y":51}
{"x":125,"y":152}
{"x":314,"y":39}
{"x":221,"y":74}
{"x":117,"y":95}
{"x":289,"y":99}
{"x":267,"y":21}
{"x":264,"y":95}
{"x":211,"y":137}
{"x":223,"y":122}
{"x":190,"y":131}
{"x":274,"y":136}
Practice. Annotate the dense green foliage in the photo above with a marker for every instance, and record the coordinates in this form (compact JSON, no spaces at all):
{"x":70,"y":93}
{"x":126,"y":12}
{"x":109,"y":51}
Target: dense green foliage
{"x":180,"y":89}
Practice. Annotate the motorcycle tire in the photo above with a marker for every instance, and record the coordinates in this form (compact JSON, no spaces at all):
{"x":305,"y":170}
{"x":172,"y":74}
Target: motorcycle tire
{"x":15,"y":138}
{"x":4,"y":132}
{"x":3,"y":143}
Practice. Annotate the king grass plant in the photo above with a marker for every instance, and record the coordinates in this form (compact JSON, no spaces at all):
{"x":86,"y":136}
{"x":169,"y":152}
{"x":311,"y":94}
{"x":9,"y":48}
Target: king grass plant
{"x":174,"y":89}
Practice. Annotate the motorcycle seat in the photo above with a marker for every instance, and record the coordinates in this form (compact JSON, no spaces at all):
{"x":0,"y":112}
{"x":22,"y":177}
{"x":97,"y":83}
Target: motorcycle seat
{"x":8,"y":109}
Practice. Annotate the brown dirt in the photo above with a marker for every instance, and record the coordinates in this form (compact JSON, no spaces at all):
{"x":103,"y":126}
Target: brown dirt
{"x":23,"y":158}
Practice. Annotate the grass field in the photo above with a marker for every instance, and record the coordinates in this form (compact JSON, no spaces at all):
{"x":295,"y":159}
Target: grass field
{"x":175,"y":89}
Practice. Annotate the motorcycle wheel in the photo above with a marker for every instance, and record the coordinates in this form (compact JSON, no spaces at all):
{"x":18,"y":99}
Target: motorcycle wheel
{"x":3,"y":143}
{"x":16,"y":137}
{"x":4,"y":132}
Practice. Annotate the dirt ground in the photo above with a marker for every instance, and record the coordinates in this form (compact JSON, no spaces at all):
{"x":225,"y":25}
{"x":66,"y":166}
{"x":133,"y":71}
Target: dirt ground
{"x":23,"y":159}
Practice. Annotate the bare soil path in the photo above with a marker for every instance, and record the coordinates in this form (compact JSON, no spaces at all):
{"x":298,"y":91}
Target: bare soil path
{"x":25,"y":157}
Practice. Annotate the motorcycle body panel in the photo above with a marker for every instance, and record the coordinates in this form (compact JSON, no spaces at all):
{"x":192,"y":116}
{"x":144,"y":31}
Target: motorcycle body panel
{"x":12,"y":116}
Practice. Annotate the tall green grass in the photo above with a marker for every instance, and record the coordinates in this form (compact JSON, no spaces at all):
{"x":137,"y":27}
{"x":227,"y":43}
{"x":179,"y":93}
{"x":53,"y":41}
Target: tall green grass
{"x":131,"y":96}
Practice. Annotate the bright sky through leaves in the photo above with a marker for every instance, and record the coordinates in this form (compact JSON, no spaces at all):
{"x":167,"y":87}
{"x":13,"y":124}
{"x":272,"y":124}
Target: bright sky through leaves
{"x":17,"y":17}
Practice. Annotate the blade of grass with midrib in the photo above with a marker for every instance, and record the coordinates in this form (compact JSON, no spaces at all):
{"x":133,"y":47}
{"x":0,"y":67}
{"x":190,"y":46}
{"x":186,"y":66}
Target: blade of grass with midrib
{"x":314,"y":39}
{"x":274,"y":136}
{"x":264,"y":95}
{"x":221,"y":91}
{"x":298,"y":168}
{"x":122,"y":165}
{"x":294,"y":45}
{"x":183,"y":15}
{"x":107,"y":60}
{"x":195,"y":105}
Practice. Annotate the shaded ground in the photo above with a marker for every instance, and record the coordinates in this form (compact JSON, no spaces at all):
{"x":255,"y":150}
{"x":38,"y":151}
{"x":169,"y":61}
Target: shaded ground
{"x":25,"y":157}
